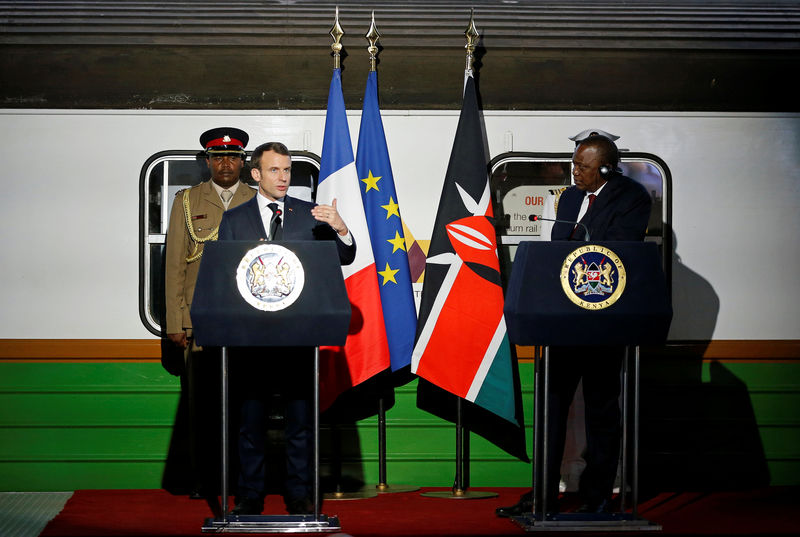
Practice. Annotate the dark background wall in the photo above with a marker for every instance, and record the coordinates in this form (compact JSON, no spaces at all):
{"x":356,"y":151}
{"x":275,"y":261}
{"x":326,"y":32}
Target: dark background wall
{"x":568,"y":55}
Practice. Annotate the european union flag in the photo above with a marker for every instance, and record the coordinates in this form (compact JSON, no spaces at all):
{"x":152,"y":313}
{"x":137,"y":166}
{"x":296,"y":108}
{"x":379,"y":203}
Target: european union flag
{"x":382,"y":210}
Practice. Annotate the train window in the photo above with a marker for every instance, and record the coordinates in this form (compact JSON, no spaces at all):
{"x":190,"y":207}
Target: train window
{"x":522,"y":183}
{"x":162,"y":176}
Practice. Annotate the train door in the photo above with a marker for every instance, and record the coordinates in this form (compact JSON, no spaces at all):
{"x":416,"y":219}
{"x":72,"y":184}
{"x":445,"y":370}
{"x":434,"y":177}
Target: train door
{"x":522,"y":184}
{"x":162,"y":176}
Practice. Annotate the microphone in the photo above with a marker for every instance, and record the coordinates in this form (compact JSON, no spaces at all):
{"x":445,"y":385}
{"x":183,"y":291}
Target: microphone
{"x":278,"y":213}
{"x":536,"y":217}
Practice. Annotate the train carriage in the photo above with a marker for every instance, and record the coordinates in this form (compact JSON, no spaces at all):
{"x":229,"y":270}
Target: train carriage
{"x":102,"y":105}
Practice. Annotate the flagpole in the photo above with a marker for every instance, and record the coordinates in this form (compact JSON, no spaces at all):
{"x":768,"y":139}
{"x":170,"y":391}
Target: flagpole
{"x":459,"y":490}
{"x":337,"y":33}
{"x":366,"y":353}
{"x":472,"y":36}
{"x":372,"y":36}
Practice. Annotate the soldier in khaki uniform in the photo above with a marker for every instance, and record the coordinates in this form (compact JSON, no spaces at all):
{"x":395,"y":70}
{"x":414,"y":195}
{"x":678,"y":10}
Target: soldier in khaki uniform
{"x":194,"y":220}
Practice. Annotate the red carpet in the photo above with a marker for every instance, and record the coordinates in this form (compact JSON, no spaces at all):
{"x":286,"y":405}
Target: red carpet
{"x":770,"y":511}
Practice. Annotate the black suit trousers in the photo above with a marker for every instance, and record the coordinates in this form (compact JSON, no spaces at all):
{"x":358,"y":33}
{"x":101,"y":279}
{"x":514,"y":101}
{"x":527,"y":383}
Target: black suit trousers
{"x":599,"y":367}
{"x":259,"y":377}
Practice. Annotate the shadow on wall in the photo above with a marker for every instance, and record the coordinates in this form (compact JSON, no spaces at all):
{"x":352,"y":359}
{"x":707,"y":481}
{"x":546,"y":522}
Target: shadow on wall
{"x":694,"y":302}
{"x":696,"y":435}
{"x":343,"y":459}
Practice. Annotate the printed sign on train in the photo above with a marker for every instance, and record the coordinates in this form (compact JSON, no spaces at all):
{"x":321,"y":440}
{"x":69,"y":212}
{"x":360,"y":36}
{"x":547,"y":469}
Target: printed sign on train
{"x":522,"y":202}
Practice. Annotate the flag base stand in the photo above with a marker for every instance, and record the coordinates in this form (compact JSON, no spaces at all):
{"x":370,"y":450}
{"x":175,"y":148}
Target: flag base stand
{"x":355,"y":495}
{"x":382,"y":487}
{"x":458,"y":494}
{"x":272,"y":524}
{"x":459,"y":490}
{"x":385,"y":488}
{"x":585,"y":522}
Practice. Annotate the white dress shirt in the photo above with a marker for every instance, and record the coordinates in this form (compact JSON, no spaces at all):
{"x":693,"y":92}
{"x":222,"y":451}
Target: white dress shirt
{"x":266,"y":212}
{"x":585,"y":202}
{"x":266,"y":216}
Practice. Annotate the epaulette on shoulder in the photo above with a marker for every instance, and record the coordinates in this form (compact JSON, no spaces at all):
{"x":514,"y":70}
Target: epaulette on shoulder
{"x":557,"y":193}
{"x":187,"y":189}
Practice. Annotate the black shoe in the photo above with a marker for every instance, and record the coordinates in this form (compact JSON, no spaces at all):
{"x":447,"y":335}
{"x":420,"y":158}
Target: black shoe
{"x":523,"y":506}
{"x":248,"y":506}
{"x":594,"y":507}
{"x":300,"y":506}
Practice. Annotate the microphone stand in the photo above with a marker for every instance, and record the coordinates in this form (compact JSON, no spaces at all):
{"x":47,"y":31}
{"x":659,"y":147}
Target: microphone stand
{"x":535,"y":217}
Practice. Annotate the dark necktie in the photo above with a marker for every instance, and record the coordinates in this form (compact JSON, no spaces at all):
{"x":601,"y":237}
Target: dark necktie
{"x":275,"y":229}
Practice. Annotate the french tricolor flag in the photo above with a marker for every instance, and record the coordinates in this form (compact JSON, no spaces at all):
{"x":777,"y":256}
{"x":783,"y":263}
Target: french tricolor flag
{"x":366,"y":351}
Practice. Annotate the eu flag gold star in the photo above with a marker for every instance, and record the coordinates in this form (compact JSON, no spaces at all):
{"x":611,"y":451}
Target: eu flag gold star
{"x":388,"y":274}
{"x":398,"y":242}
{"x":371,"y":182}
{"x":392,"y":208}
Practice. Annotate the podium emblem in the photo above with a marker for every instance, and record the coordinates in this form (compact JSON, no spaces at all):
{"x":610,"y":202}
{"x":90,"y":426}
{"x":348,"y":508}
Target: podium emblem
{"x":593,"y":277}
{"x":270,"y":277}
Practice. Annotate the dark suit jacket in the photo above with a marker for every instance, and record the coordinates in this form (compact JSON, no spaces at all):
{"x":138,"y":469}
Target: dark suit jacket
{"x":620,"y":212}
{"x":244,"y":223}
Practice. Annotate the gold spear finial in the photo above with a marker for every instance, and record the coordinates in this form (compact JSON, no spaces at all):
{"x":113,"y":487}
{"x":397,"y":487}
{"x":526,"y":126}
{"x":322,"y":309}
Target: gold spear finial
{"x":336,"y":34}
{"x":372,"y":37}
{"x":472,"y":38}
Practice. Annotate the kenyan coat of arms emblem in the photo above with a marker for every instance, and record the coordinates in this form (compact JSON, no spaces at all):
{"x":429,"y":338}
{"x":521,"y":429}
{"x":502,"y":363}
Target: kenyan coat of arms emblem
{"x":270,"y":277}
{"x":593,"y":277}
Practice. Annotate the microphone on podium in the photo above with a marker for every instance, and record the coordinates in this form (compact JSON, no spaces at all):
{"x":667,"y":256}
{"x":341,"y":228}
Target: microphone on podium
{"x":536,"y":217}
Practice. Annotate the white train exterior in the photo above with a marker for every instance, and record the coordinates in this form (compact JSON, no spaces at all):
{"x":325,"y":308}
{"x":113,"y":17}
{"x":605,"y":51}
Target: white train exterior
{"x":71,"y":204}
